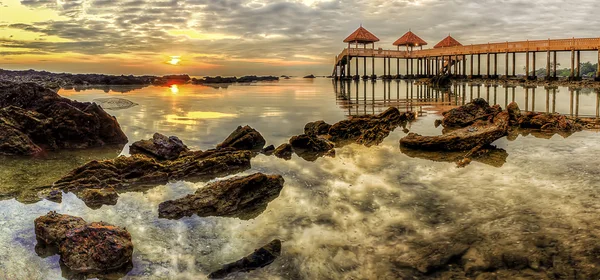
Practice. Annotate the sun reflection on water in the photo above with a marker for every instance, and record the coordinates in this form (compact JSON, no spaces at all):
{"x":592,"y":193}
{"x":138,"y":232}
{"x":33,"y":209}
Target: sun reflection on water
{"x":174,"y":89}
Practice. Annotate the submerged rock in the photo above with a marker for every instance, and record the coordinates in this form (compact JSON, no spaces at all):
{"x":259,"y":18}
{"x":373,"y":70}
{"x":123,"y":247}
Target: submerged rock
{"x":284,"y":151}
{"x":310,"y":147}
{"x":96,"y":247}
{"x":115,"y":103}
{"x":368,"y":130}
{"x":468,"y":114}
{"x":242,"y":197}
{"x":51,"y":229}
{"x":260,"y":258}
{"x":478,"y":134}
{"x":34,"y":118}
{"x":95,"y":198}
{"x":488,"y":155}
{"x":159,"y":147}
{"x":244,"y":138}
{"x":83,"y":248}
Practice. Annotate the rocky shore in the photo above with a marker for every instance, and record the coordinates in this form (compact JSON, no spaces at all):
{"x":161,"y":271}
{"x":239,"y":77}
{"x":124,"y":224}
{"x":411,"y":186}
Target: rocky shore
{"x":231,"y":80}
{"x":65,"y":80}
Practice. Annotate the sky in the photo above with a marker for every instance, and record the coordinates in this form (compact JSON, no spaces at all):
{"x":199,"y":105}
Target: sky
{"x":261,"y":37}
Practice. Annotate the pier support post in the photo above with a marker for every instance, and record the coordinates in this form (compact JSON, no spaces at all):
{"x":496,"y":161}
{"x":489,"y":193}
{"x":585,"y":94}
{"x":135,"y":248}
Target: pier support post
{"x":456,"y":68}
{"x":548,"y":65}
{"x":578,"y":65}
{"x":554,"y":66}
{"x":373,"y":68}
{"x":357,"y":62}
{"x":572,"y":65}
{"x":506,"y":65}
{"x":464,"y":66}
{"x":407,"y":69}
{"x":478,"y":64}
{"x":397,"y":67}
{"x":527,"y":65}
{"x":488,"y":65}
{"x":598,"y":70}
{"x":495,"y":65}
{"x":514,"y":65}
{"x":365,"y":68}
{"x":533,"y":76}
{"x":412,"y":68}
{"x":471,"y":70}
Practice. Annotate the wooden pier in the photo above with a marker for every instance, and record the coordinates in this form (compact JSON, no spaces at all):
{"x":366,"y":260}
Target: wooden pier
{"x":449,"y":57}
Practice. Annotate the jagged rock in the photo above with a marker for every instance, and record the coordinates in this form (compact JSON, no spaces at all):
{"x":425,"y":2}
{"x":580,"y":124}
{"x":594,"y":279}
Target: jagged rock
{"x":244,"y":138}
{"x":466,"y":115}
{"x":159,"y":147}
{"x":284,"y":151}
{"x":311,"y":76}
{"x":514,"y":112}
{"x":14,"y":142}
{"x":478,"y":134}
{"x":317,"y":128}
{"x":549,"y":122}
{"x":310,"y":147}
{"x":58,"y":80}
{"x":260,"y":258}
{"x":128,"y":173}
{"x":368,"y":130}
{"x":268,"y":150}
{"x":52,"y":228}
{"x":96,"y":247}
{"x":52,"y":122}
{"x":95,"y":198}
{"x":242,"y":197}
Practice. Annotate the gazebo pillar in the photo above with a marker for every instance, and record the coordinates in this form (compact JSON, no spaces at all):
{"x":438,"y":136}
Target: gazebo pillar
{"x":598,"y":71}
{"x":572,"y":64}
{"x":554,"y":66}
{"x":478,"y":64}
{"x":407,"y":69}
{"x":506,"y":65}
{"x":578,"y":64}
{"x":464,"y":65}
{"x":471,"y":70}
{"x":548,"y":64}
{"x":534,"y":68}
{"x":514,"y":64}
{"x":488,"y":65}
{"x":495,"y":65}
{"x":527,"y":65}
{"x":398,"y":67}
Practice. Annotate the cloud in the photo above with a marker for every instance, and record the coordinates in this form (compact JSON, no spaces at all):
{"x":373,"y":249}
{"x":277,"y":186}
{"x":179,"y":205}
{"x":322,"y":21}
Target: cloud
{"x":277,"y":29}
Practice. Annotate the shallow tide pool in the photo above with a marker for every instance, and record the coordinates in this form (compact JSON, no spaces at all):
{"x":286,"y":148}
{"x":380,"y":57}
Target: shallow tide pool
{"x":368,"y":213}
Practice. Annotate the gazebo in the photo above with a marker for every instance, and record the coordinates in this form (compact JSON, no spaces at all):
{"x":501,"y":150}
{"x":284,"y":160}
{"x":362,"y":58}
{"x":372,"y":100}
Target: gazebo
{"x":363,"y":37}
{"x":447,"y":42}
{"x":410,"y":40}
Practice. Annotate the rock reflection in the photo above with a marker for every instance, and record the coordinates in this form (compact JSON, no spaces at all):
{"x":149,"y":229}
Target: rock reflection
{"x":491,"y":155}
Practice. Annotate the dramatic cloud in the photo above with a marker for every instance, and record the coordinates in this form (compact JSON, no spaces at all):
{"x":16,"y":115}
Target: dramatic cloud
{"x":231,"y":36}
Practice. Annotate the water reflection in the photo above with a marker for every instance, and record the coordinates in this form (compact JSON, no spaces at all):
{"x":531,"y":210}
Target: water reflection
{"x":358,"y":97}
{"x":368,"y":213}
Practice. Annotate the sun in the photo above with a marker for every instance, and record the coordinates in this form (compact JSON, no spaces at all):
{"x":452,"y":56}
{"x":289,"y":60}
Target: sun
{"x":174,"y":60}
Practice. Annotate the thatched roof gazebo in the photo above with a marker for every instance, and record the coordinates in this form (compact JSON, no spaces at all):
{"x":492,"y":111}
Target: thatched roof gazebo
{"x":410,"y":40}
{"x":447,"y":42}
{"x":361,"y":36}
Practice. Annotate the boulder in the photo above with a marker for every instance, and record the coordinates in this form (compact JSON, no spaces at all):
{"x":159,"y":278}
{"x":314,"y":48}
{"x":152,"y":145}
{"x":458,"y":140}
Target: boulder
{"x":51,"y":122}
{"x":549,"y":122}
{"x":96,"y":247}
{"x":284,"y":151}
{"x":368,"y":130}
{"x":95,"y":198}
{"x":317,"y":128}
{"x":514,"y":113}
{"x":466,"y":115}
{"x":159,"y":147}
{"x":244,"y":138}
{"x":467,"y":138}
{"x":243,"y":197}
{"x":260,"y":258}
{"x":268,"y":150}
{"x":310,"y":147}
{"x":51,"y":229}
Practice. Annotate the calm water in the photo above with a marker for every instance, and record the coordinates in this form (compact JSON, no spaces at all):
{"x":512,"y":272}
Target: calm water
{"x":361,"y":215}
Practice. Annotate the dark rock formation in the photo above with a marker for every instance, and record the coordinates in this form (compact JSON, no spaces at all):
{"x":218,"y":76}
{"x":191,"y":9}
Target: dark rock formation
{"x":368,"y":130}
{"x":260,"y":258}
{"x":242,"y":197}
{"x":230,"y":80}
{"x":548,"y":122}
{"x":250,"y":79}
{"x":310,"y":147}
{"x":159,"y":147}
{"x":52,"y":228}
{"x":83,"y":248}
{"x":284,"y":151}
{"x":95,"y":198}
{"x":58,"y":80}
{"x":244,"y":138}
{"x":478,"y":134}
{"x":128,"y":173}
{"x":96,"y":247}
{"x":171,"y":80}
{"x":311,"y":76}
{"x":466,"y":115}
{"x":268,"y":150}
{"x":30,"y":114}
{"x":317,"y":128}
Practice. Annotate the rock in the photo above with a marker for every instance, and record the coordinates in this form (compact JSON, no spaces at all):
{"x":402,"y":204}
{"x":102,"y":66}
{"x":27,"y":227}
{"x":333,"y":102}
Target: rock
{"x":66,"y":80}
{"x":268,"y":150}
{"x":51,"y":122}
{"x":514,"y":112}
{"x":171,"y":80}
{"x":284,"y":151}
{"x":462,"y":139}
{"x":159,"y":147}
{"x":54,"y":196}
{"x":115,"y":103}
{"x":260,"y":258}
{"x":14,"y":142}
{"x":95,"y":198}
{"x":51,"y":229}
{"x":466,"y":115}
{"x":549,"y":122}
{"x":250,"y":79}
{"x":310,"y":147}
{"x":130,"y":173}
{"x":96,"y":247}
{"x":243,"y":197}
{"x":244,"y":138}
{"x":489,"y":155}
{"x":311,"y":76}
{"x":368,"y":130}
{"x":317,"y":128}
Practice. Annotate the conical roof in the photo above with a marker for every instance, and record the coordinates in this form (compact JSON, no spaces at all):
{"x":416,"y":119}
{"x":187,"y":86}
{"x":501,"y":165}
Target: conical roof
{"x":410,"y":39}
{"x":447,"y":42}
{"x":361,"y":35}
